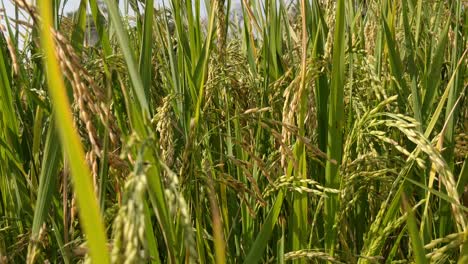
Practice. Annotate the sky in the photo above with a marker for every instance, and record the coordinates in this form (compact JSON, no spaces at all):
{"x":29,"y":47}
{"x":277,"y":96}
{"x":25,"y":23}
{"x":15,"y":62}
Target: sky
{"x":71,"y":5}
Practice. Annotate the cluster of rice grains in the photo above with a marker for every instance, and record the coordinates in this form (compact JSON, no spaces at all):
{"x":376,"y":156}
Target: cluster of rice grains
{"x":89,"y":99}
{"x":11,"y":49}
{"x":178,"y":207}
{"x":129,"y":226}
{"x":90,"y":102}
{"x":163,"y":121}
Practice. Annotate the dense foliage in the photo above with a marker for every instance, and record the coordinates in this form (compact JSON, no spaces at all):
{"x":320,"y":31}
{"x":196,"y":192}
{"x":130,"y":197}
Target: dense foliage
{"x":313,"y":131}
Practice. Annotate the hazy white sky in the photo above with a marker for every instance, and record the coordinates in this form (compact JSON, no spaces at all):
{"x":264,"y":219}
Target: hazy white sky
{"x":71,"y":5}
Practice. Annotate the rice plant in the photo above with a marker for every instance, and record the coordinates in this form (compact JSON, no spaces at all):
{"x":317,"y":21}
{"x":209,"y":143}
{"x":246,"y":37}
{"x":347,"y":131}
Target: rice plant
{"x":221,"y":131}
